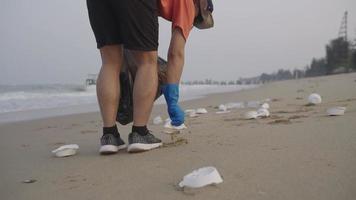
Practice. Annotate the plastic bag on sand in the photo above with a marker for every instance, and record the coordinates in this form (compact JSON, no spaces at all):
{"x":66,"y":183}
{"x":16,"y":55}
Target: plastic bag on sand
{"x":201,"y":177}
{"x":157,"y":120}
{"x":66,"y":150}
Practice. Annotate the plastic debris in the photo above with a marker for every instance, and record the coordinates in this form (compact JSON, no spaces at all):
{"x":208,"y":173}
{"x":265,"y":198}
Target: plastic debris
{"x":314,"y":99}
{"x":263,"y":112}
{"x":336,"y":111}
{"x":265,"y":106}
{"x":157,"y":120}
{"x":201,"y":177}
{"x":250,"y":115}
{"x":201,"y":111}
{"x":222,"y":107}
{"x":29,"y":181}
{"x":223,"y":112}
{"x":191,"y":113}
{"x":66,"y":150}
{"x":235,"y":105}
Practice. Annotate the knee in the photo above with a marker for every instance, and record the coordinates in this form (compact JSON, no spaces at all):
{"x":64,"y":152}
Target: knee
{"x":147,"y":59}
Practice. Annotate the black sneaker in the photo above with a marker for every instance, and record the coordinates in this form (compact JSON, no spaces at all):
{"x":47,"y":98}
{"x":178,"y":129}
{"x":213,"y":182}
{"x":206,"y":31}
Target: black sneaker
{"x":111,"y":144}
{"x":139,"y":143}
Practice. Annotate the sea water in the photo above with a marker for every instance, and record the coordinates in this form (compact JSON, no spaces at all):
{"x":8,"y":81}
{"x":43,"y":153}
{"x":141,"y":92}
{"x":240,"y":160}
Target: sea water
{"x":25,"y":102}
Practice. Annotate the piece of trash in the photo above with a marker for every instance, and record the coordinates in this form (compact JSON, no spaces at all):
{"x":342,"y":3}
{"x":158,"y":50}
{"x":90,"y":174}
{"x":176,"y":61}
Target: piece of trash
{"x":253,"y":104}
{"x":201,"y":111}
{"x":29,"y":181}
{"x":263,"y":112}
{"x":222,"y":107}
{"x":157,"y":120}
{"x":265,"y":106}
{"x":201,"y":177}
{"x":235,"y":105}
{"x":66,"y":150}
{"x":250,"y":115}
{"x":223,"y":112}
{"x":169,"y":125}
{"x":191,"y":113}
{"x":336,"y":111}
{"x":314,"y":99}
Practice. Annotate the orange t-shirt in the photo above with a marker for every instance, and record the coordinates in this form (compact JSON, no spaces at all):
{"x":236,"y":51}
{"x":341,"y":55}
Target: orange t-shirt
{"x":180,"y":12}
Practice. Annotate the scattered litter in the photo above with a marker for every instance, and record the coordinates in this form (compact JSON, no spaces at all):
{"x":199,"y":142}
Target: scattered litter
{"x":201,"y":111}
{"x":235,"y":105}
{"x":157,"y":120}
{"x":250,"y":115}
{"x":201,"y":177}
{"x":66,"y":150}
{"x":222,"y":107}
{"x":263,"y":112}
{"x":336,"y":111}
{"x":253,"y":104}
{"x":265,"y":106}
{"x":314,"y":99}
{"x":191,"y":113}
{"x":223,"y":112}
{"x":29,"y":181}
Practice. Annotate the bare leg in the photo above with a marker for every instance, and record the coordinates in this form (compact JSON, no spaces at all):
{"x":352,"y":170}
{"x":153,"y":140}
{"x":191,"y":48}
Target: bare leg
{"x":175,"y":56}
{"x":108,"y":83}
{"x":145,"y":86}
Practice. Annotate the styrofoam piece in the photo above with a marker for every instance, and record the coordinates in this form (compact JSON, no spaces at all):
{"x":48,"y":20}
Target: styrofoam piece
{"x":235,"y":105}
{"x":223,"y":112}
{"x":66,"y":150}
{"x":336,"y":111}
{"x":314,"y":99}
{"x":253,"y":104}
{"x":201,"y":111}
{"x":265,"y":106}
{"x":157,"y":120}
{"x":263,"y":112}
{"x":201,"y":177}
{"x":250,"y":115}
{"x":222,"y":107}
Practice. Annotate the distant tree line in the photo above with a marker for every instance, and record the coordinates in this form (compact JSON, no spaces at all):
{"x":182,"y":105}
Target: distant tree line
{"x":340,"y":58}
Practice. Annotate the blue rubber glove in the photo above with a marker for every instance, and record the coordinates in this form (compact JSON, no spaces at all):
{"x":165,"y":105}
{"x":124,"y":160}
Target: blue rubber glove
{"x":171,"y":94}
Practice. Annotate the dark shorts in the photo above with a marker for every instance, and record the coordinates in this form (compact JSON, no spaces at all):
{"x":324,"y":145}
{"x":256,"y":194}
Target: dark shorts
{"x":132,"y":23}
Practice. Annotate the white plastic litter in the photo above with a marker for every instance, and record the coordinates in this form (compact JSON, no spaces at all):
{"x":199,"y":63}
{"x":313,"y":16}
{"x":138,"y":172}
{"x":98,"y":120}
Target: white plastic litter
{"x":223,"y":112}
{"x":263,"y":112}
{"x":201,"y":111}
{"x":235,"y":105}
{"x":314,"y":99}
{"x":265,"y":106}
{"x":169,"y":125}
{"x":66,"y":150}
{"x":191,"y":113}
{"x":157,"y":120}
{"x":201,"y":177}
{"x":336,"y":111}
{"x":250,"y":115}
{"x":222,"y":107}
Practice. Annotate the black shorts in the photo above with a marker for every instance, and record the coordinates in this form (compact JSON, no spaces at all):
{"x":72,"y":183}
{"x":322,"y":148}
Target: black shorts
{"x":132,"y":23}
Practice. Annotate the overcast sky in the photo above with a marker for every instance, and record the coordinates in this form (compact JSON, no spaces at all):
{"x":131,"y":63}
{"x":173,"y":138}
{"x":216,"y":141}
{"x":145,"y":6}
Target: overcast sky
{"x":51,"y":41}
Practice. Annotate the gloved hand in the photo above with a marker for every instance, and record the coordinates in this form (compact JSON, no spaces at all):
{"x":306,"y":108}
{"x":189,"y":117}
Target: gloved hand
{"x":171,"y":94}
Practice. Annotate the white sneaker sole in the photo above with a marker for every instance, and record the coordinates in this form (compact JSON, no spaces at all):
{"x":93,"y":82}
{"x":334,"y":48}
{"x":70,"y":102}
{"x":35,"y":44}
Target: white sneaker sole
{"x":109,"y":149}
{"x":138,"y":147}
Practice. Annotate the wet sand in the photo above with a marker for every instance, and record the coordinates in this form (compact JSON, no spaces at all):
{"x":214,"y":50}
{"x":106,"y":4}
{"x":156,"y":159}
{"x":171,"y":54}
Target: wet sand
{"x":297,"y":153}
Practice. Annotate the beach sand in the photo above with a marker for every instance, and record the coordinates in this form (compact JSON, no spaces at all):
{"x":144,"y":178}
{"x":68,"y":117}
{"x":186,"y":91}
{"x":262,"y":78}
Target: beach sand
{"x":297,"y":153}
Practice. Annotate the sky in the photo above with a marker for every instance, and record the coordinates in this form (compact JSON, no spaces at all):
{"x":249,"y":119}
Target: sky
{"x":46,"y":42}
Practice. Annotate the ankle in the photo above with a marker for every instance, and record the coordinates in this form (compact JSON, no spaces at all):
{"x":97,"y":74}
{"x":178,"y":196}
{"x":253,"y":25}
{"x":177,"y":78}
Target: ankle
{"x":141,"y":130}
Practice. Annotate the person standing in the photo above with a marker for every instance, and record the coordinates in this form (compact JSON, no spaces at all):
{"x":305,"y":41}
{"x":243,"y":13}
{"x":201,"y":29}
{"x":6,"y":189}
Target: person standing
{"x":133,"y":25}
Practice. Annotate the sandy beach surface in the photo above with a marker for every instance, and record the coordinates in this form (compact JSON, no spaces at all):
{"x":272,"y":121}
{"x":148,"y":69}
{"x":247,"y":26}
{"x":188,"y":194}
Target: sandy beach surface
{"x":297,"y":153}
